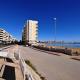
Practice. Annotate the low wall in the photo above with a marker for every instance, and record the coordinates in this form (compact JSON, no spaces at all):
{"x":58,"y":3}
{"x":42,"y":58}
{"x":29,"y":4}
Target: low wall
{"x":75,"y":51}
{"x":28,"y":73}
{"x":53,"y":49}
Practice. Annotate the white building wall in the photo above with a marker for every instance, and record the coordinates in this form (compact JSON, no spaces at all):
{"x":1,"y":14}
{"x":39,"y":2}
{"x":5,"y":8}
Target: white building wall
{"x":30,"y":32}
{"x":5,"y":36}
{"x":33,"y":30}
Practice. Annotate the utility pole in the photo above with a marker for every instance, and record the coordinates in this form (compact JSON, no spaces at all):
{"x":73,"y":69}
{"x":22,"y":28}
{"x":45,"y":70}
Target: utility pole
{"x":55,"y":31}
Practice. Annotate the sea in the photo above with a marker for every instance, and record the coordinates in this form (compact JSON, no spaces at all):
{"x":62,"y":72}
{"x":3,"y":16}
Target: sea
{"x":66,"y":45}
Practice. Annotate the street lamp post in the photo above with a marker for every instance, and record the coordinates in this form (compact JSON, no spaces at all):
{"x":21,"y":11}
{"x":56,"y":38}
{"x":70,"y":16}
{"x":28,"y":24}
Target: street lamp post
{"x":55,"y":31}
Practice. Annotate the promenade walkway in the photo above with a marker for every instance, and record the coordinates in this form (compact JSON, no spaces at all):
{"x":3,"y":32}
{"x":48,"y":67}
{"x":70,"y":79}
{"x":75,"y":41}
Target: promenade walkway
{"x":53,"y":67}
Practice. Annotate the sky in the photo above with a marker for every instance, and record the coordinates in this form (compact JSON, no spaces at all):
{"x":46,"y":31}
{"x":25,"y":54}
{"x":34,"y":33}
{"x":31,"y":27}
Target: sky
{"x":13,"y":14}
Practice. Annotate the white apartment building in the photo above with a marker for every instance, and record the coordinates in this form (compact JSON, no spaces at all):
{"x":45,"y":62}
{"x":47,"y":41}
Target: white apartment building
{"x":30,"y":31}
{"x":5,"y":37}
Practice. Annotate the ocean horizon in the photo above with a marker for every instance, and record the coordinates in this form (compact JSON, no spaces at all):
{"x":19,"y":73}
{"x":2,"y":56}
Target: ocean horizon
{"x":66,"y":45}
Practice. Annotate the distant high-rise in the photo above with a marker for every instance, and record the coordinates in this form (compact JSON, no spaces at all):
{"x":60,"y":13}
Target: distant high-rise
{"x":5,"y":37}
{"x":30,"y":32}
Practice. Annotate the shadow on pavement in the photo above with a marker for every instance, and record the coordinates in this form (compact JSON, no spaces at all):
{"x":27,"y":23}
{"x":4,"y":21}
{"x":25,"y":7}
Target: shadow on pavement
{"x":9,"y":60}
{"x":9,"y":73}
{"x":76,"y":59}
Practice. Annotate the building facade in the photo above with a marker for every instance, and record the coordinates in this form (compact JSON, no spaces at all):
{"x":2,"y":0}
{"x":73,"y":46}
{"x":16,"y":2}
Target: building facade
{"x":5,"y":37}
{"x":30,"y":32}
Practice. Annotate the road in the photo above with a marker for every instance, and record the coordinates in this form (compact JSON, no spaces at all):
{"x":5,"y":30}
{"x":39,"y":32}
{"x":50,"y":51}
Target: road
{"x":53,"y":67}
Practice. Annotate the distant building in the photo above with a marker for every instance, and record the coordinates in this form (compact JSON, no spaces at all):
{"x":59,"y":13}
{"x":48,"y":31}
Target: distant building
{"x":5,"y":37}
{"x":30,"y":32}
